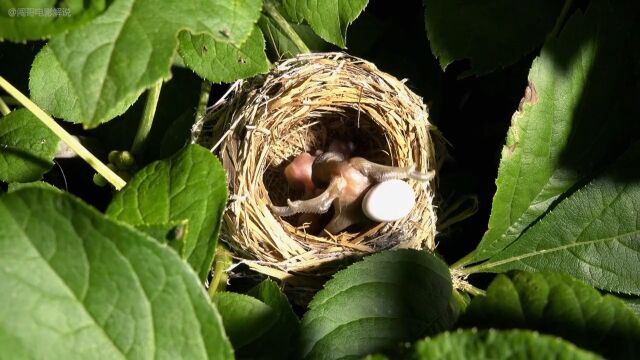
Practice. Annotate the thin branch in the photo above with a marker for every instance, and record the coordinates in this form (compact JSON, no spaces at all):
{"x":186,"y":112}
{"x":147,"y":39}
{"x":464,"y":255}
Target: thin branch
{"x":474,"y":290}
{"x":4,"y":108}
{"x":71,"y":141}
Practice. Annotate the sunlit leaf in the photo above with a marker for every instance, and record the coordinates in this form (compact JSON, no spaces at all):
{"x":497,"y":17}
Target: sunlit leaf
{"x":189,"y":186}
{"x":93,"y":73}
{"x":27,"y":147}
{"x":76,"y":284}
{"x":492,"y":344}
{"x":374,"y":304}
{"x":575,"y":117}
{"x":557,"y":304}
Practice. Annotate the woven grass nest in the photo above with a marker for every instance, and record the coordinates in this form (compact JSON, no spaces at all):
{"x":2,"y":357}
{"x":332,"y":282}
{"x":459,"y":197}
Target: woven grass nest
{"x":262,"y":123}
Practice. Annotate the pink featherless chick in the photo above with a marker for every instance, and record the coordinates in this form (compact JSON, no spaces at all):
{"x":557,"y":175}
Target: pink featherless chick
{"x":345,"y":182}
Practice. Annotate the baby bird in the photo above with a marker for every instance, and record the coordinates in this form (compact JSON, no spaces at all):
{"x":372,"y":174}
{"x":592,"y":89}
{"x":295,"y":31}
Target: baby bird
{"x":345,"y":182}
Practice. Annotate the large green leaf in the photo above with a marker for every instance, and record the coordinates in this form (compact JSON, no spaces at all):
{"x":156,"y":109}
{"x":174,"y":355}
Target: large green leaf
{"x":593,"y":235}
{"x":281,"y":340}
{"x":39,"y":19}
{"x":476,"y":30}
{"x":173,"y":119}
{"x":221,"y":61}
{"x":27,"y":147}
{"x":576,"y":115}
{"x":189,"y":186}
{"x":376,"y":303}
{"x":559,"y":305}
{"x":244,"y":318}
{"x":633,"y":304}
{"x":91,"y":74}
{"x":262,"y":326}
{"x":492,"y":344}
{"x":77,"y":285}
{"x":329,"y":18}
{"x":172,"y":233}
{"x":34,"y":184}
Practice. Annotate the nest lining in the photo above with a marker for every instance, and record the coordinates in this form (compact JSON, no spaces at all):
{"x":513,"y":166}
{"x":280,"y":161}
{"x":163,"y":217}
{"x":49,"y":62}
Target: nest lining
{"x":301,"y":105}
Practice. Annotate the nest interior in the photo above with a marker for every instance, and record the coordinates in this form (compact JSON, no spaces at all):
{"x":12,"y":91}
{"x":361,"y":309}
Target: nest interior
{"x":300,"y":106}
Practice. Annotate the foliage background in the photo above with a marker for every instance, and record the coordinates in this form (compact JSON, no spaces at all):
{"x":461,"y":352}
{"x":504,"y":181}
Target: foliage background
{"x":562,"y":180}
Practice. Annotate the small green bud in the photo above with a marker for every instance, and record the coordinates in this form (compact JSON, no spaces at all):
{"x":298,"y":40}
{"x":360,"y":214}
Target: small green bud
{"x":113,"y":155}
{"x":124,"y":160}
{"x":99,"y":180}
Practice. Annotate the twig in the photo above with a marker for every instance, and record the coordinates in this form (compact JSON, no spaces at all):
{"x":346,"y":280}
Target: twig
{"x":71,"y":141}
{"x":4,"y":109}
{"x":474,"y":290}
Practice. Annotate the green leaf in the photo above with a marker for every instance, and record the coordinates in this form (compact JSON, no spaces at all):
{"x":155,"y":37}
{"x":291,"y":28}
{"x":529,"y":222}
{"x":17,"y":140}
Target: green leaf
{"x":475,"y":30}
{"x":91,"y":74}
{"x":633,"y":304}
{"x":376,"y":357}
{"x":39,"y":19}
{"x":173,"y":232}
{"x":177,"y":134}
{"x":280,"y":45}
{"x":173,"y":120}
{"x":492,"y":344}
{"x":35,"y":184}
{"x":223,"y":62}
{"x":572,"y":95}
{"x":560,"y":305}
{"x":592,"y":235}
{"x":244,"y":318}
{"x":374,"y":304}
{"x":191,"y":186}
{"x":76,"y":284}
{"x":27,"y":147}
{"x":260,"y":326}
{"x":329,"y":19}
{"x":281,"y":340}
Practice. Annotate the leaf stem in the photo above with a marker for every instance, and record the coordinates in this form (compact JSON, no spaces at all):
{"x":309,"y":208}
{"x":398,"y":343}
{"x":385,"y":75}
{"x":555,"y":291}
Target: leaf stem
{"x":221,"y":262}
{"x":475,"y":268}
{"x":68,"y":139}
{"x":4,"y":109}
{"x":464,"y":261}
{"x":205,"y":90}
{"x":284,"y":25}
{"x":147,"y":118}
{"x":561,"y":18}
{"x":474,"y":290}
{"x":459,"y":280}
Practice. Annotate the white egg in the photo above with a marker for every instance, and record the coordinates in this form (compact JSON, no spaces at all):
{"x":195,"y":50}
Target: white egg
{"x":389,"y":200}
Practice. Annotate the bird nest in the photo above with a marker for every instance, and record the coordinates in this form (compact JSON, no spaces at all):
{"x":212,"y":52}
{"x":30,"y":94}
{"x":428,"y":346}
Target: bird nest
{"x":303,"y":103}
